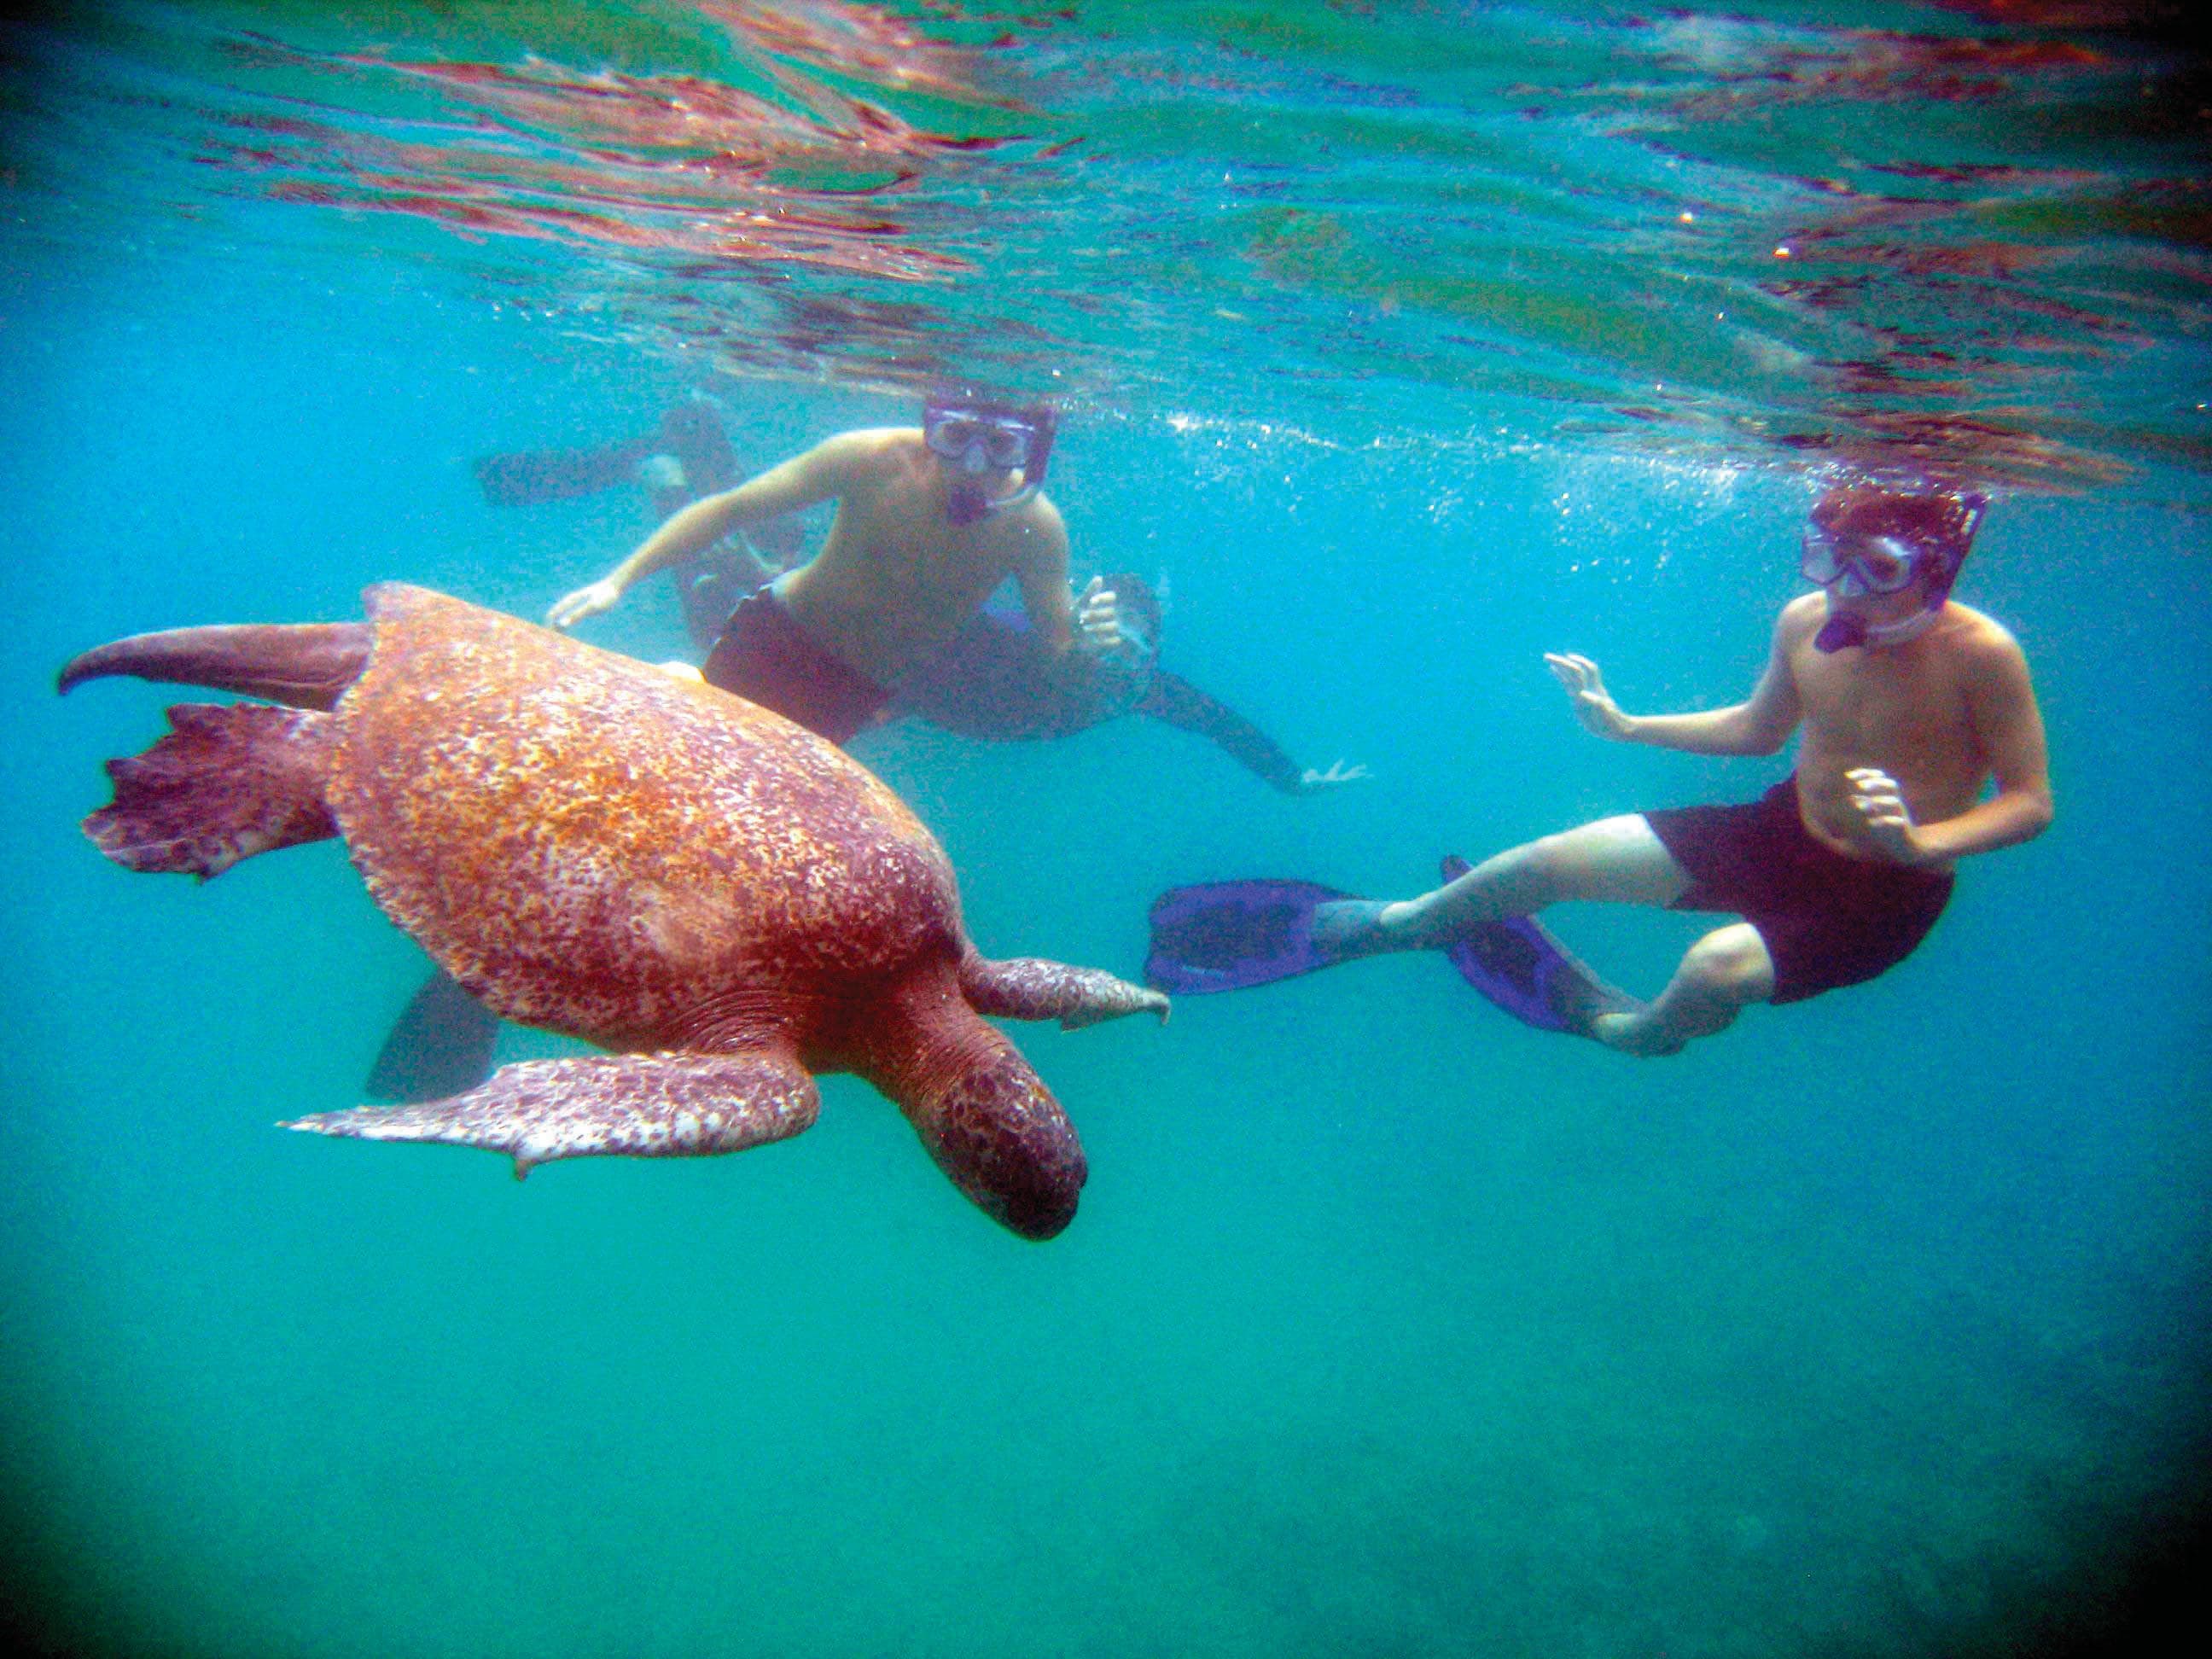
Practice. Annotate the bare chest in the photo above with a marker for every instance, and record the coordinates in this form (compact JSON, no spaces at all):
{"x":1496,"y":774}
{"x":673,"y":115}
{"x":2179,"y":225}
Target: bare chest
{"x":904,"y":539}
{"x":1883,"y":707}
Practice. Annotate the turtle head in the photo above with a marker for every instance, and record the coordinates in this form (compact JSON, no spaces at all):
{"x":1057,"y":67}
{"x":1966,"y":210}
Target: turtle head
{"x":995,"y":1129}
{"x":981,"y":1109}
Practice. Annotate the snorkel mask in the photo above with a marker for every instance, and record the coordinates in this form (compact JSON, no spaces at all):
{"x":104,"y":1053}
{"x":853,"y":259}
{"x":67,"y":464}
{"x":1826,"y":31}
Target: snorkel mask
{"x":1870,"y":538}
{"x":979,"y":437}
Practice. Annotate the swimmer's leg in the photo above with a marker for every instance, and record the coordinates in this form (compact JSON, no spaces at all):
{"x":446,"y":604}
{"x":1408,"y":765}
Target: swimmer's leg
{"x":1721,"y":975}
{"x":1613,"y":860}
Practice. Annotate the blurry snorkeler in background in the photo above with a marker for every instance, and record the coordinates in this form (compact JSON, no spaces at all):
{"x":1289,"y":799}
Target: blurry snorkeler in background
{"x":687,"y":457}
{"x":997,"y":679}
{"x":1910,"y":704}
{"x":996,"y":682}
{"x":930,"y":519}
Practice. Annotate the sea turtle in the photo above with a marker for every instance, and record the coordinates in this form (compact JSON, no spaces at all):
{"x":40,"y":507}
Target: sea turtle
{"x":726,"y":901}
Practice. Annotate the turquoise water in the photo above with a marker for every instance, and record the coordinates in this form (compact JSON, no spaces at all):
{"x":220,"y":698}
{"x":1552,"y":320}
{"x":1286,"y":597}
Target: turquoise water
{"x":1872,"y":1327}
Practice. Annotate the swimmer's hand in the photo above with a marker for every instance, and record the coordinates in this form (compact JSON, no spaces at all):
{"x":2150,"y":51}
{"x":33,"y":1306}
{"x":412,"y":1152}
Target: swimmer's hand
{"x":1338,"y":772}
{"x":1098,"y":620}
{"x":1887,"y":819}
{"x":602,"y":595}
{"x":661,"y":472}
{"x":1593,"y":705}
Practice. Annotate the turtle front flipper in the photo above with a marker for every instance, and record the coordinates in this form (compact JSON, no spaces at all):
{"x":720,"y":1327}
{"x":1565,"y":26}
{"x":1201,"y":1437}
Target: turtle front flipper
{"x":439,"y":1045}
{"x":1031,"y":987}
{"x":664,"y":1105}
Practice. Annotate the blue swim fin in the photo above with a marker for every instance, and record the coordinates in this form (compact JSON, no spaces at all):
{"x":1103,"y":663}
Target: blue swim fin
{"x":1232,"y":935}
{"x":1518,"y":963}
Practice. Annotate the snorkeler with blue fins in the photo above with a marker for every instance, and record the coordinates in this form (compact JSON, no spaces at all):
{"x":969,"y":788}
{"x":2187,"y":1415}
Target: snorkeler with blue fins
{"x":999,"y":679}
{"x":1910,"y":704}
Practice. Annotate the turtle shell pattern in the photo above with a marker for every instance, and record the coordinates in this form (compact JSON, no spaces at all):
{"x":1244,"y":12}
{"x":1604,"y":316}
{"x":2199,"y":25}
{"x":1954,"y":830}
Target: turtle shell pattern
{"x":593,"y":845}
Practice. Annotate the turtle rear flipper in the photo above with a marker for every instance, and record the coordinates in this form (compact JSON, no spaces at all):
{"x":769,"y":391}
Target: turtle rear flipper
{"x":229,"y":780}
{"x":665,"y":1105}
{"x":307,"y":664}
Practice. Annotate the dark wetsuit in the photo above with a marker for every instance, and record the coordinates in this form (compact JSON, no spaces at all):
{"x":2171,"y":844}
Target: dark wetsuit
{"x":1827,"y":921}
{"x":997,"y":681}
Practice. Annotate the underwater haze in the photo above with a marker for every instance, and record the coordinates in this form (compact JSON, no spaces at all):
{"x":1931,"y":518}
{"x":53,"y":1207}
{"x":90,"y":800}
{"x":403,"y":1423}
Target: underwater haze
{"x":1401,"y":344}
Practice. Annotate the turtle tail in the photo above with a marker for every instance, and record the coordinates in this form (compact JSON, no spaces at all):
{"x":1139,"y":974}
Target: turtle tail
{"x":307,"y":664}
{"x":1031,"y":987}
{"x":982,"y":1112}
{"x":228,"y":780}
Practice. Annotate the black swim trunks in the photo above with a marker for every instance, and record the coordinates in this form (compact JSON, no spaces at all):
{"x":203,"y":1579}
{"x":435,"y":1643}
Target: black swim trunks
{"x":765,"y":657}
{"x":1826,"y":920}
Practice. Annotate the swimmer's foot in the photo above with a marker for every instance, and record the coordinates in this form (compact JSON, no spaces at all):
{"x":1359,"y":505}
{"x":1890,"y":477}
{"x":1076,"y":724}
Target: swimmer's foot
{"x":1590,"y":1007}
{"x":1518,"y":964}
{"x":1350,"y":927}
{"x":1632,"y":1034}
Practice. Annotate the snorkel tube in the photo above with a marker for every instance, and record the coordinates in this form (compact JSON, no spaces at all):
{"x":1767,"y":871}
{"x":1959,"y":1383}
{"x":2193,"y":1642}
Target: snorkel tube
{"x":1029,"y":427}
{"x":1936,"y":523}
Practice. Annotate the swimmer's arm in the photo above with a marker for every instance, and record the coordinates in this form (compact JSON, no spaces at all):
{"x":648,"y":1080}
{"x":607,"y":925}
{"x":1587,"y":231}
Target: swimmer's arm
{"x":831,"y":468}
{"x":2008,"y":726}
{"x":1760,"y":725}
{"x":1041,"y":574}
{"x":752,"y":568}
